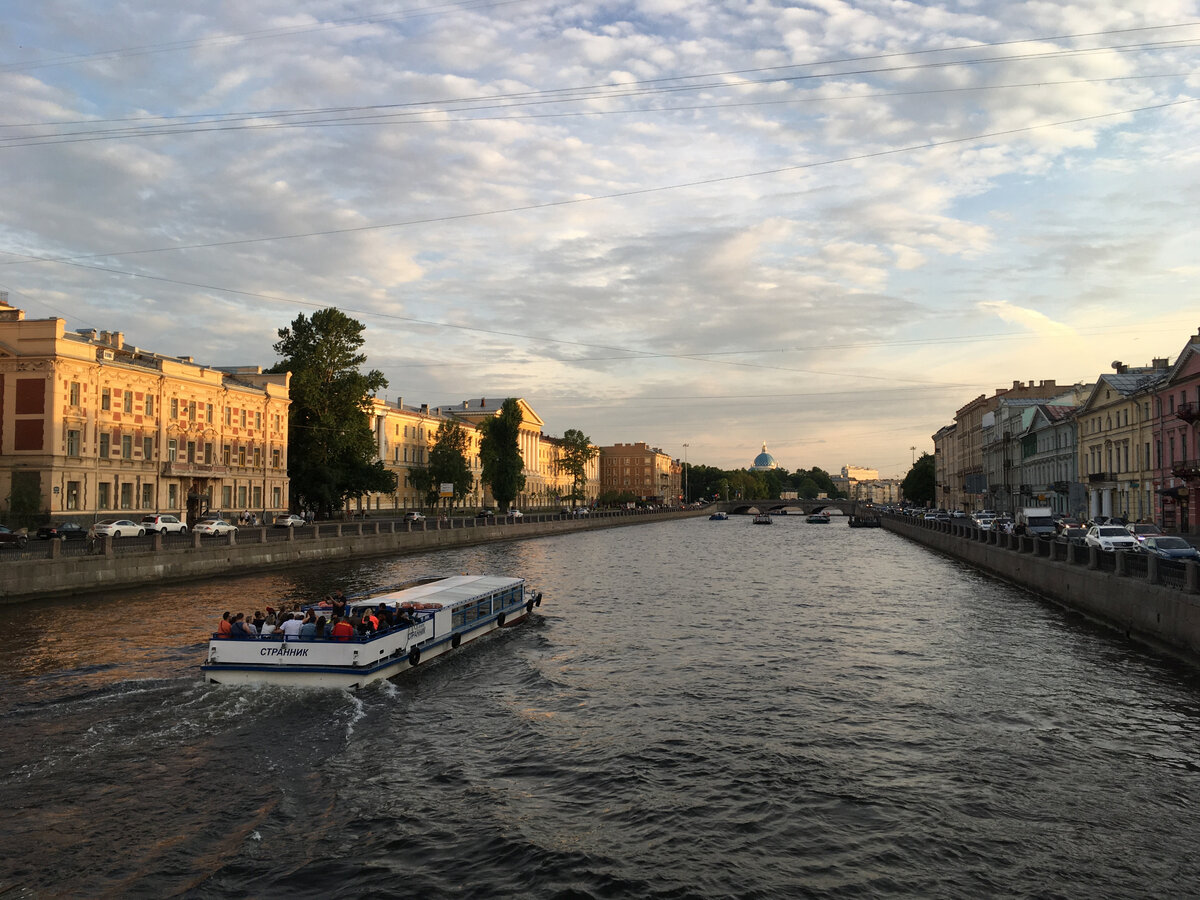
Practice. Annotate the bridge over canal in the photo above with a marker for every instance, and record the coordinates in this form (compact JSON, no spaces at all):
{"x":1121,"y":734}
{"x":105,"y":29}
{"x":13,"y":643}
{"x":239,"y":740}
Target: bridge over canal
{"x":797,"y":507}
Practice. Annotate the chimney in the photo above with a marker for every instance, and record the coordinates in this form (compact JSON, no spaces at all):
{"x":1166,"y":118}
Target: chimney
{"x":482,"y":402}
{"x":466,"y":404}
{"x":1159,"y":364}
{"x":425,"y":407}
{"x":1119,"y":367}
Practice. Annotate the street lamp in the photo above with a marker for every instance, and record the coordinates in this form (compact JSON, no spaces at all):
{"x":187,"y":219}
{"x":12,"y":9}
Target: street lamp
{"x":686,"y":498}
{"x":914,"y":451}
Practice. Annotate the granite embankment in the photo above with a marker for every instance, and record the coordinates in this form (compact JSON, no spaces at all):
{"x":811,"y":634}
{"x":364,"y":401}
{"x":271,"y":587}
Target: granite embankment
{"x":131,"y":562}
{"x":1155,"y":602}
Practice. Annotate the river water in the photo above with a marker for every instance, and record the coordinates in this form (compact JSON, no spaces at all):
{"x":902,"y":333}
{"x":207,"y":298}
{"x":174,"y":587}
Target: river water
{"x":698,"y":710}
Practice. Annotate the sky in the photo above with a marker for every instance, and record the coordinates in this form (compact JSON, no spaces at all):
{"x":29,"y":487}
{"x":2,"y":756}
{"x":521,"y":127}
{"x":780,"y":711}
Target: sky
{"x":708,"y":225}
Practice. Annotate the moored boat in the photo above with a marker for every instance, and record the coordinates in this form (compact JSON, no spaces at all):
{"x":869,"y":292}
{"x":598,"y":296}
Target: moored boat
{"x":818,"y":519}
{"x":863,"y":521}
{"x":441,"y":613}
{"x":762,"y":519}
{"x":718,"y":517}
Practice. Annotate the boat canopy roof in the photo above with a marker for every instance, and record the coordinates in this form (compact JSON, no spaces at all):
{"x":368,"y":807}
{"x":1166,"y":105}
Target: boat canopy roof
{"x":449,"y":591}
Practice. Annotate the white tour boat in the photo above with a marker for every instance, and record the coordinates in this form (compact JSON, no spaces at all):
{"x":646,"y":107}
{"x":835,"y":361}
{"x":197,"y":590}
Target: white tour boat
{"x":447,"y":612}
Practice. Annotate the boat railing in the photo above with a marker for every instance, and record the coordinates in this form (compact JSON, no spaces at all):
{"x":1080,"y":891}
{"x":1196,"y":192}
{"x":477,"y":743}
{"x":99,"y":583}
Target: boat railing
{"x":280,"y":637}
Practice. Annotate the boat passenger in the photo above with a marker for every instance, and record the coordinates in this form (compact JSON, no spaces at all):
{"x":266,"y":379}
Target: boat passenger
{"x":268,"y":626}
{"x":239,"y":627}
{"x":291,"y":628}
{"x":342,"y":630}
{"x":337,"y":601}
{"x":404,"y":618}
{"x":321,"y":628}
{"x":259,"y":621}
{"x":308,"y":629}
{"x":370,"y":621}
{"x":224,"y":627}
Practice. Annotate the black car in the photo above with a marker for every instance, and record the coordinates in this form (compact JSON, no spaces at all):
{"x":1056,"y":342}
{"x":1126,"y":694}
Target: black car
{"x":63,"y":531}
{"x":10,"y":538}
{"x":485,"y":514}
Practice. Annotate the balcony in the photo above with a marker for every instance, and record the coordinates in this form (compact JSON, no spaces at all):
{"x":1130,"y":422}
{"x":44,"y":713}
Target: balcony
{"x":1097,"y":477}
{"x":1061,"y":487}
{"x":1189,"y":412}
{"x":1189,"y":469}
{"x":183,"y":469}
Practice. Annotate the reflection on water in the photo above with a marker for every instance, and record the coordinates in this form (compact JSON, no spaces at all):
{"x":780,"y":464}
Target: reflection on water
{"x":699,"y":709}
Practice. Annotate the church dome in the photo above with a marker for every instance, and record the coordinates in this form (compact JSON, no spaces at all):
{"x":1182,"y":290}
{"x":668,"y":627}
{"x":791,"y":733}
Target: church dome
{"x":764,"y":460}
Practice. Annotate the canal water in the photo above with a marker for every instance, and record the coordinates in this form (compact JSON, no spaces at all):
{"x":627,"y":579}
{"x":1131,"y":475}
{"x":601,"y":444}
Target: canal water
{"x":698,"y":710}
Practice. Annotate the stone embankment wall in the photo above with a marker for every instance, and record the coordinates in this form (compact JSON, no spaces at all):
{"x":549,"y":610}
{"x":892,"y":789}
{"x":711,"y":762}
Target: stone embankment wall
{"x":1127,"y":591}
{"x":250,"y":550}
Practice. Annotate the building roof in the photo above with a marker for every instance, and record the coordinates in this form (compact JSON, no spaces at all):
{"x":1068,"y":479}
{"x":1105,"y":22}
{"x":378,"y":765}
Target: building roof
{"x":764,"y":460}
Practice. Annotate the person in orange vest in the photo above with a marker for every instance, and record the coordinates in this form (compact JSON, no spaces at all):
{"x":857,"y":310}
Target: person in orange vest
{"x":224,"y":627}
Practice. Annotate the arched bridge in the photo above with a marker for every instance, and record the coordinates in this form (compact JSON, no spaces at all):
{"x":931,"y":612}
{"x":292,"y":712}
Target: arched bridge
{"x":799,"y":507}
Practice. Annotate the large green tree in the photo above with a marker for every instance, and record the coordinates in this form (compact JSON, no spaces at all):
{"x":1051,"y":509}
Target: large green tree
{"x":577,"y":452}
{"x":918,"y":484}
{"x":331,"y":449}
{"x":449,"y":461}
{"x":502,"y":468}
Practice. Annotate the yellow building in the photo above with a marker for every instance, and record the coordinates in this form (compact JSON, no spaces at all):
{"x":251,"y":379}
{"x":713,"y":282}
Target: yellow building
{"x":90,"y":426}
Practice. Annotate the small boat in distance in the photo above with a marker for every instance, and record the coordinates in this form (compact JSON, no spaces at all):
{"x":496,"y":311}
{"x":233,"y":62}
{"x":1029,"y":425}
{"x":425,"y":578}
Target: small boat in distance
{"x":821,"y":518}
{"x":762,"y":519}
{"x":857,"y":521}
{"x":718,"y":517}
{"x":439,"y":614}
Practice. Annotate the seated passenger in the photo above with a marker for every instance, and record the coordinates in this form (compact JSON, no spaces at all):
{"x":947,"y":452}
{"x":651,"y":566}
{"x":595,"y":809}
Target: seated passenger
{"x":321,"y":628}
{"x":240,"y":628}
{"x":224,"y":627}
{"x":342,"y":630}
{"x":308,"y":629}
{"x":291,"y":628}
{"x":268,"y":626}
{"x":403,"y":618}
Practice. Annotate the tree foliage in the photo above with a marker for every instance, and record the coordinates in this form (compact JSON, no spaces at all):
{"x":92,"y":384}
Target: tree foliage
{"x":918,"y":484}
{"x":502,"y":468}
{"x":577,"y":452}
{"x":331,"y":449}
{"x":449,"y":461}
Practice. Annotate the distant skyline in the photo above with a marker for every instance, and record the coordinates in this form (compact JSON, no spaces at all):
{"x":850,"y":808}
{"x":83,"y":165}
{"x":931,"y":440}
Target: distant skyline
{"x":823,"y":226}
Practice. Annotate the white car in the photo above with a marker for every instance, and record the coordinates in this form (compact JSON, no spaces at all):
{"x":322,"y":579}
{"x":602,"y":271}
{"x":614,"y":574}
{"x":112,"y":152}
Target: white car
{"x":1110,"y":538}
{"x":414,"y":516}
{"x":214,"y":526}
{"x":163,"y":524}
{"x":514,"y":514}
{"x":117,"y":528}
{"x":289,"y":521}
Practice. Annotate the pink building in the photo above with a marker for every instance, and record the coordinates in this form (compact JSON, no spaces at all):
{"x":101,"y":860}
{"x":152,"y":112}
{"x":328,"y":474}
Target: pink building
{"x":1177,"y":447}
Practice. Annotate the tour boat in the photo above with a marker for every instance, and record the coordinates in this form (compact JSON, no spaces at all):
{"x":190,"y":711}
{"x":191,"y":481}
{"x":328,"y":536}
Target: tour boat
{"x":762,"y":519}
{"x":718,"y":517}
{"x":818,"y":519}
{"x":446,"y":612}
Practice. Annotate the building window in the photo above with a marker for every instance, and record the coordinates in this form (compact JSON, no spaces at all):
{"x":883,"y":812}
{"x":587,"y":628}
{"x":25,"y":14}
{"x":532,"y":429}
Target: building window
{"x":149,"y":405}
{"x":172,"y":449}
{"x":257,"y":501}
{"x":105,"y":448}
{"x":127,"y":495}
{"x":226,"y":455}
{"x":174,"y":407}
{"x":241,"y":456}
{"x":147,"y":496}
{"x":275,"y":461}
{"x":257,"y":458}
{"x":258,"y":421}
{"x":242,"y":418}
{"x":72,"y":443}
{"x":128,"y":401}
{"x":103,"y":497}
{"x":241,"y":501}
{"x":208,"y":454}
{"x":172,"y":496}
{"x":228,"y":416}
{"x":277,"y":497}
{"x":127,"y":447}
{"x":72,"y":495}
{"x":226,"y":497}
{"x":191,"y":451}
{"x":208,"y":413}
{"x":192,"y":410}
{"x":74,"y":393}
{"x":147,"y":448}
{"x":105,"y":399}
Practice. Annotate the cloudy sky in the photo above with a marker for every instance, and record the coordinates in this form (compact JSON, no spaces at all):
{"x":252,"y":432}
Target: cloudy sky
{"x":822,"y":225}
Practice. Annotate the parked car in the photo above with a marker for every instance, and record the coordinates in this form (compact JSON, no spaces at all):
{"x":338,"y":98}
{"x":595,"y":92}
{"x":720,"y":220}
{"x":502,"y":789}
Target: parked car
{"x":413,"y":516}
{"x":1169,"y":547}
{"x":1110,"y":538}
{"x":485,"y":514}
{"x":63,"y":531}
{"x":515,"y":514}
{"x":117,"y":528}
{"x":163,"y":525}
{"x":10,"y":538}
{"x":1076,"y":536}
{"x":289,"y":521}
{"x":1143,"y":531}
{"x":214,"y":526}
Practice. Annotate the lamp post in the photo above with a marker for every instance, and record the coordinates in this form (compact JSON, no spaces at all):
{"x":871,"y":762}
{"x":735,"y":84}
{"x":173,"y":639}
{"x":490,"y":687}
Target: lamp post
{"x":914,"y":452}
{"x":686,"y":498}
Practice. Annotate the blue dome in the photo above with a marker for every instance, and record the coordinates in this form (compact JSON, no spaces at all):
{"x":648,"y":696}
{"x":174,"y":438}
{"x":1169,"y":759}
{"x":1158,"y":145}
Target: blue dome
{"x":764,"y":460}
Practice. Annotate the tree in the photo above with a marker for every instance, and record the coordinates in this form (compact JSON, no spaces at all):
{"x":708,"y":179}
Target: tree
{"x":422,"y":479}
{"x":331,"y":449}
{"x":577,"y":452}
{"x":918,"y":484}
{"x":448,"y":460}
{"x":502,"y":468}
